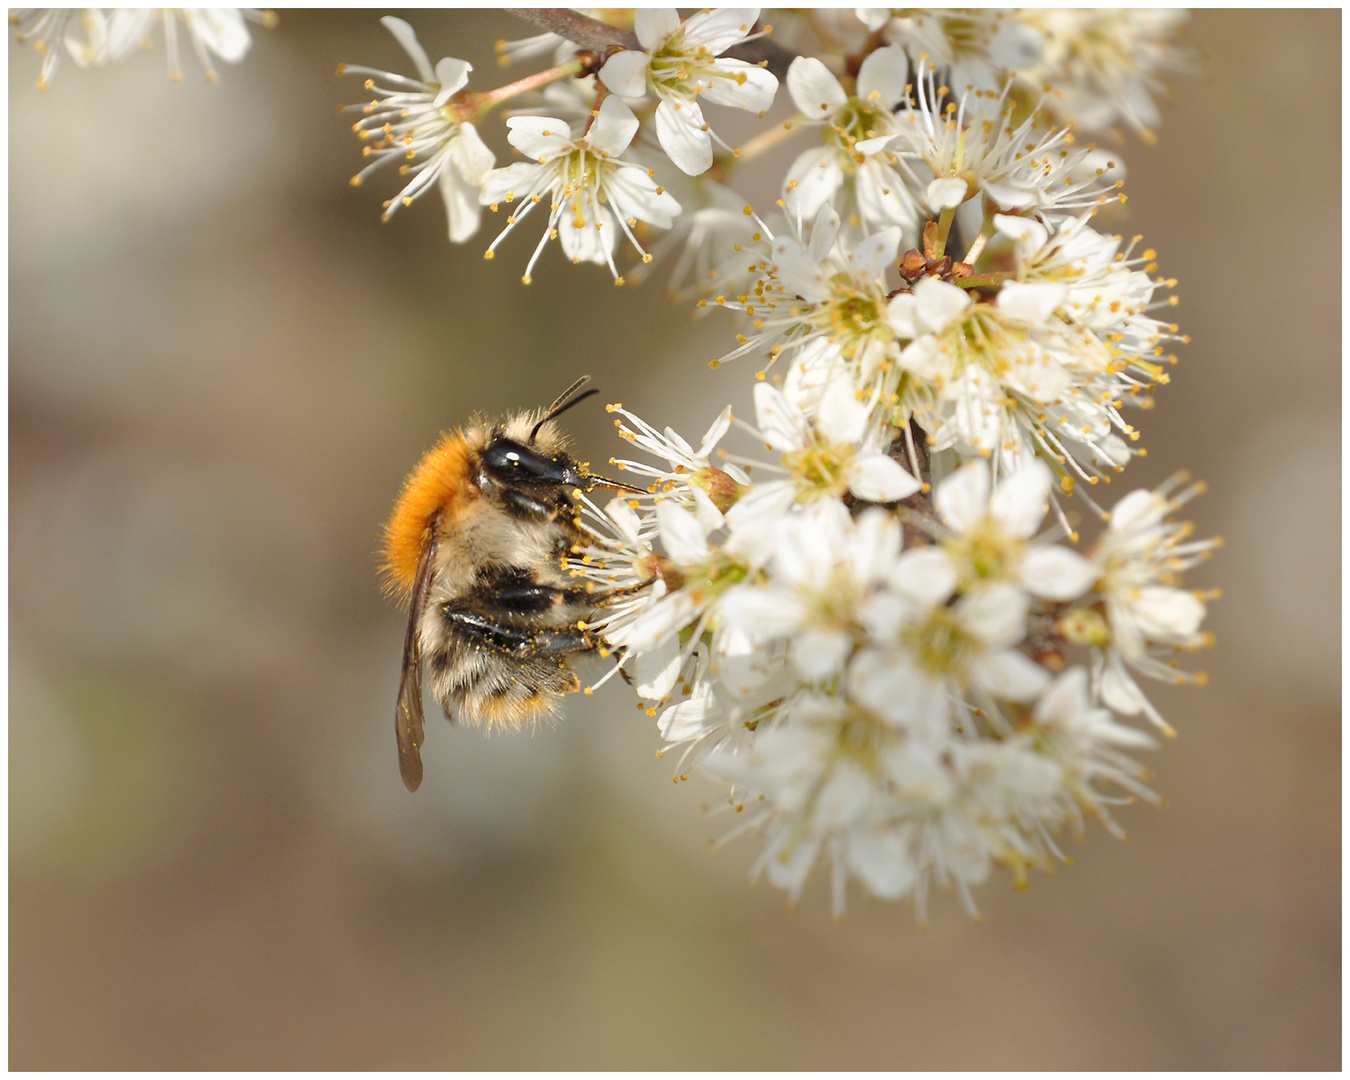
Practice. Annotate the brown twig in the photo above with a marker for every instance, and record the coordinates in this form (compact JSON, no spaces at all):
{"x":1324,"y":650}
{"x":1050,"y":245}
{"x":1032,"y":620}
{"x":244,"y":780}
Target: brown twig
{"x":582,"y":29}
{"x":593,"y":34}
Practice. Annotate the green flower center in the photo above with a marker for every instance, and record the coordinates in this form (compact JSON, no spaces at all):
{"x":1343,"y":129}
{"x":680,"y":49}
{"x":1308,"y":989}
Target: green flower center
{"x":987,"y":550}
{"x":820,"y":469}
{"x":940,"y":643}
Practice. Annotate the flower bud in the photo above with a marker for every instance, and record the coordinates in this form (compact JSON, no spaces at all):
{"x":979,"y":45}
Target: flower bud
{"x":1083,"y":626}
{"x":658,"y":566}
{"x":724,"y":491}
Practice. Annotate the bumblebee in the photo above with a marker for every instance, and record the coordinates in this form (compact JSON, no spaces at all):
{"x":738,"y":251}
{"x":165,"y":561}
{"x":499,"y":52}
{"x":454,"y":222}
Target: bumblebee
{"x":476,"y":545}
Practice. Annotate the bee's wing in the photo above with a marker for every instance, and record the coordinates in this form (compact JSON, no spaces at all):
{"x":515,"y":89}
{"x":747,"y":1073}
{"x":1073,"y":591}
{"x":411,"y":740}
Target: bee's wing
{"x":408,"y":715}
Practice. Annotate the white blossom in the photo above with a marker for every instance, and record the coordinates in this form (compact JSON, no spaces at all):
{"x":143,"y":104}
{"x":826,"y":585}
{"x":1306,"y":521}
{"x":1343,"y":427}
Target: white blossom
{"x":982,"y":148}
{"x":1107,"y":64}
{"x":591,"y":194}
{"x":814,"y":179}
{"x":111,"y":36}
{"x":974,"y":48}
{"x":412,"y":122}
{"x":990,"y":533}
{"x":1148,"y":617}
{"x":680,"y":63}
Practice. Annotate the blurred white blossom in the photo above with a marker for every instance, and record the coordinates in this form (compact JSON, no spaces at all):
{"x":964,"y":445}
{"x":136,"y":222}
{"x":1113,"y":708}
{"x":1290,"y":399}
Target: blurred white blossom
{"x":411,"y":123}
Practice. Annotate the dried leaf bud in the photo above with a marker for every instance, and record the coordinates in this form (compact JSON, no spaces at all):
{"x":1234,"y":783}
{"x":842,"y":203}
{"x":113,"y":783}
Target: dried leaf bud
{"x":913,"y":264}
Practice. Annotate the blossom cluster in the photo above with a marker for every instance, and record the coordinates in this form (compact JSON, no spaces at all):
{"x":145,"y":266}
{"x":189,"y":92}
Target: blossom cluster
{"x":877,"y":624}
{"x":879,"y":629}
{"x":99,"y":37}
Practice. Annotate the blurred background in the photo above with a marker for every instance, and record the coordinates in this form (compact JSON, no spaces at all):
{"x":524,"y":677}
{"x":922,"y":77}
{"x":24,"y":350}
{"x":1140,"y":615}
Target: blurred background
{"x":222,"y":365}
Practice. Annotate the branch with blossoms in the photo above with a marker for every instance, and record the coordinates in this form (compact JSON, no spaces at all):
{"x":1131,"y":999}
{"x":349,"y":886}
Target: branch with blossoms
{"x":875,"y":622}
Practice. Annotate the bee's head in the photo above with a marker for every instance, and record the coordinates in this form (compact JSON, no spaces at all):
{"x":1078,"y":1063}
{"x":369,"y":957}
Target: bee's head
{"x":512,"y":459}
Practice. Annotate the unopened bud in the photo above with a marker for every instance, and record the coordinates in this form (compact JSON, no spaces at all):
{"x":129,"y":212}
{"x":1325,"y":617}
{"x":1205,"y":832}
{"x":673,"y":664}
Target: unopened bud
{"x":721,"y":488}
{"x":658,"y":566}
{"x":1083,"y":626}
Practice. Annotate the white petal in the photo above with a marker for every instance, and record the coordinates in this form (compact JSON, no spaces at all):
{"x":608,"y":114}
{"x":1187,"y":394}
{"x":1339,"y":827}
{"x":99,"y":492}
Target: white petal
{"x":843,"y":797}
{"x":824,"y":231}
{"x":873,"y":18}
{"x":1021,"y":500}
{"x":405,"y":37}
{"x":842,"y":417}
{"x":939,"y":302}
{"x":997,"y":615}
{"x":874,"y":546}
{"x":814,"y":90}
{"x":1137,"y":509}
{"x":681,"y":534}
{"x":789,"y":860}
{"x":452,"y":74}
{"x":1031,"y":304}
{"x":750,"y":86}
{"x":883,"y":198}
{"x":925,"y":575}
{"x":614,"y":128}
{"x":901,"y":312}
{"x":756,"y":518}
{"x":654,"y":26}
{"x":962,"y":499}
{"x":625,"y":73}
{"x":624,"y":517}
{"x":589,"y":238}
{"x":815,"y":367}
{"x":462,"y":209}
{"x":882,"y":859}
{"x":818,"y":654}
{"x":680,"y":130}
{"x":714,"y":434}
{"x":1163,"y":612}
{"x":1066,"y":700}
{"x":539,"y":138}
{"x":871,"y":256}
{"x":518,"y":178}
{"x":891,"y":685}
{"x":884,"y":73}
{"x":1056,"y":573}
{"x":1011,"y":675}
{"x":222,"y":30}
{"x":879,"y":478}
{"x":717,"y":29}
{"x":1029,"y":233}
{"x":690,"y":719}
{"x":798,"y":271}
{"x":1119,"y":691}
{"x":634,"y":194}
{"x":654,"y":672}
{"x":779,"y":420}
{"x":709,"y":517}
{"x":947,"y":192}
{"x":761,"y":613}
{"x":669,"y":614}
{"x":817,"y":177}
{"x":470,"y":154}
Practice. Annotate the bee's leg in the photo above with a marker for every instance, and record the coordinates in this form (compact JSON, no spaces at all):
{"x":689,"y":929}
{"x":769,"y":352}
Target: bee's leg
{"x":619,"y":662}
{"x":526,"y":506}
{"x":504,"y":637}
{"x":523,"y":597}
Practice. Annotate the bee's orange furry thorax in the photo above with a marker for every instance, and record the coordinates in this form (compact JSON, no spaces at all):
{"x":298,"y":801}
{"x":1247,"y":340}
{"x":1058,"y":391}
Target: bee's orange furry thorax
{"x":439,"y":483}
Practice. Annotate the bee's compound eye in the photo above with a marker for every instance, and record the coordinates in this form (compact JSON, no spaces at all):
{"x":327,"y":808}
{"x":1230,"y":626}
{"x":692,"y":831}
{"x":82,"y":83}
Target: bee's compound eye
{"x":507,"y":460}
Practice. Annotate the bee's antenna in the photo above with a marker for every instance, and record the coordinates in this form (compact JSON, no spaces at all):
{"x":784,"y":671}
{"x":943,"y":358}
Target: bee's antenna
{"x":561,"y":404}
